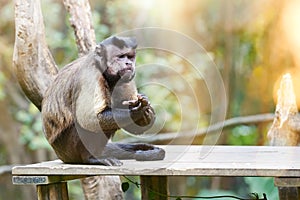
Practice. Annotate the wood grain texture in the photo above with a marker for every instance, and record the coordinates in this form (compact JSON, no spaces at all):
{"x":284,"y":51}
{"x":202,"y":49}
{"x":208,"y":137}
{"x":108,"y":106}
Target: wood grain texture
{"x":287,"y":182}
{"x":192,"y":160}
{"x":154,"y":187}
{"x":57,"y":191}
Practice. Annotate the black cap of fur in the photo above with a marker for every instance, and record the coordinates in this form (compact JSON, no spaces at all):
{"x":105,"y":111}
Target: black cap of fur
{"x":121,"y":42}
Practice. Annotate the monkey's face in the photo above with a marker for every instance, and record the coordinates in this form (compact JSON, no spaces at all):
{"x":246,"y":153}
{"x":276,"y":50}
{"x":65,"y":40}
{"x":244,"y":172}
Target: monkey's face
{"x":118,"y":66}
{"x":115,"y":58}
{"x":121,"y":63}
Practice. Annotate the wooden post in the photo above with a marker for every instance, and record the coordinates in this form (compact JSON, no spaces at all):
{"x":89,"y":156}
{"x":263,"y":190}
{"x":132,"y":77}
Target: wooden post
{"x":289,"y":188}
{"x":286,"y":128}
{"x":154,"y":187}
{"x":54,"y":191}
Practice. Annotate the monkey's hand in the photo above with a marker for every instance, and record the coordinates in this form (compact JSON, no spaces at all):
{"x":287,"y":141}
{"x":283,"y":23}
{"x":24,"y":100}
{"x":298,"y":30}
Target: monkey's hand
{"x":137,"y":118}
{"x":141,"y":112}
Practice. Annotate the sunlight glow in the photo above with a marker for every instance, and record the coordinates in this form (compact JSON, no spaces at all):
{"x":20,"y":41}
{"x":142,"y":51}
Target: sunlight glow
{"x":291,"y":28}
{"x":144,"y":4}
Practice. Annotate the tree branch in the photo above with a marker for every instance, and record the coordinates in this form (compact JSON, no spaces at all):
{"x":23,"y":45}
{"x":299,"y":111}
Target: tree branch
{"x":81,"y":21}
{"x":251,"y":119}
{"x":33,"y":63}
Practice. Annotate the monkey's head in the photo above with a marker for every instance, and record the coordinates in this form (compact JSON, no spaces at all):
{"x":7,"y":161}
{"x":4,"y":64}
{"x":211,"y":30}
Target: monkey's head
{"x":115,"y":57}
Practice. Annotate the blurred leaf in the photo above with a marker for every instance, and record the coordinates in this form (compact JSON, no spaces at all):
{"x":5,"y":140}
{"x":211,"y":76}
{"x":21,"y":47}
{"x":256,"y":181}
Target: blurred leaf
{"x":75,"y":190}
{"x":243,"y":135}
{"x":27,"y":135}
{"x":39,"y":143}
{"x":125,"y":186}
{"x":24,"y":117}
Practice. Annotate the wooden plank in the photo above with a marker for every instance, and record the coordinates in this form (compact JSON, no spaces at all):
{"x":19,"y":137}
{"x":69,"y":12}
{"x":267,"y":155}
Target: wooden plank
{"x":38,"y":180}
{"x":55,"y":191}
{"x":194,"y":160}
{"x":154,"y":187}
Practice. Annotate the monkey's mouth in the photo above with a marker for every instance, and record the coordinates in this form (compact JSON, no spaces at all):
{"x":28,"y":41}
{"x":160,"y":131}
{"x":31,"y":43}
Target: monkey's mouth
{"x":126,"y":72}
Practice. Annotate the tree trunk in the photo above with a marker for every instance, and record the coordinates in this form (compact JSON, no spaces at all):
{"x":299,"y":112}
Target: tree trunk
{"x":286,"y":127}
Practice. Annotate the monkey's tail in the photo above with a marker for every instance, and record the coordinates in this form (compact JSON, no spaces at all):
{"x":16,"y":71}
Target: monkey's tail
{"x":34,"y":65}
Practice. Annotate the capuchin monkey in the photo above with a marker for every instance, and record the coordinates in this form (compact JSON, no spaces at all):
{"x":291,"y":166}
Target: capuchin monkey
{"x":93,"y":97}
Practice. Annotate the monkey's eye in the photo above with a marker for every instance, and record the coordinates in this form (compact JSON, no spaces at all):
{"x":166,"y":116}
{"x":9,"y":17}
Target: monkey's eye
{"x":122,"y":56}
{"x":131,"y":57}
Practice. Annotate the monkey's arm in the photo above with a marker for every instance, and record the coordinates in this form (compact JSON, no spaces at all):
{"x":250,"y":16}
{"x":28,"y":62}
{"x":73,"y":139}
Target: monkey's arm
{"x":136,"y":120}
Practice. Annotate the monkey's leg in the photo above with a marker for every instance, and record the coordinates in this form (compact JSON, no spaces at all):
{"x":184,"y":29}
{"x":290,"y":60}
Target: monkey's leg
{"x":89,"y":146}
{"x":110,"y":161}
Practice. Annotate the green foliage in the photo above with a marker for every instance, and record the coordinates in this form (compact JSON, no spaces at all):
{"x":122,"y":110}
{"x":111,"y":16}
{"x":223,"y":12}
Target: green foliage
{"x":2,"y":81}
{"x":31,"y":129}
{"x":262,"y":185}
{"x":101,"y":30}
{"x":59,"y":34}
{"x":243,"y":135}
{"x":75,"y":190}
{"x":132,"y":193}
{"x":172,"y":86}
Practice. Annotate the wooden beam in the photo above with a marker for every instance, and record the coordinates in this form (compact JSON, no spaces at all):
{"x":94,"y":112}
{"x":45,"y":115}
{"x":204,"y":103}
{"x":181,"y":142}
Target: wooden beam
{"x":287,"y":182}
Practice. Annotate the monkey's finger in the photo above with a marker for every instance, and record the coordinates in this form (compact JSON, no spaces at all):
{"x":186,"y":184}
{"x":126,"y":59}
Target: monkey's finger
{"x":145,"y":102}
{"x":147,"y":117}
{"x":142,"y":97}
{"x":129,"y":102}
{"x":150,"y":111}
{"x":137,"y":107}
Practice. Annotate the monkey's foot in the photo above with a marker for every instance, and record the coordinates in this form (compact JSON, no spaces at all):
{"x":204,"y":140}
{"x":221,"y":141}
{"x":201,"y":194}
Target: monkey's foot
{"x":105,"y":161}
{"x":151,"y":154}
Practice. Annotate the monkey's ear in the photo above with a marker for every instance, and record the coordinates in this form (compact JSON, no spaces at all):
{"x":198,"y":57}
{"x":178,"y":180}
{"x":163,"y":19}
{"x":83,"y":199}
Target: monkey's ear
{"x":100,"y":57}
{"x":133,"y":42}
{"x":99,"y":49}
